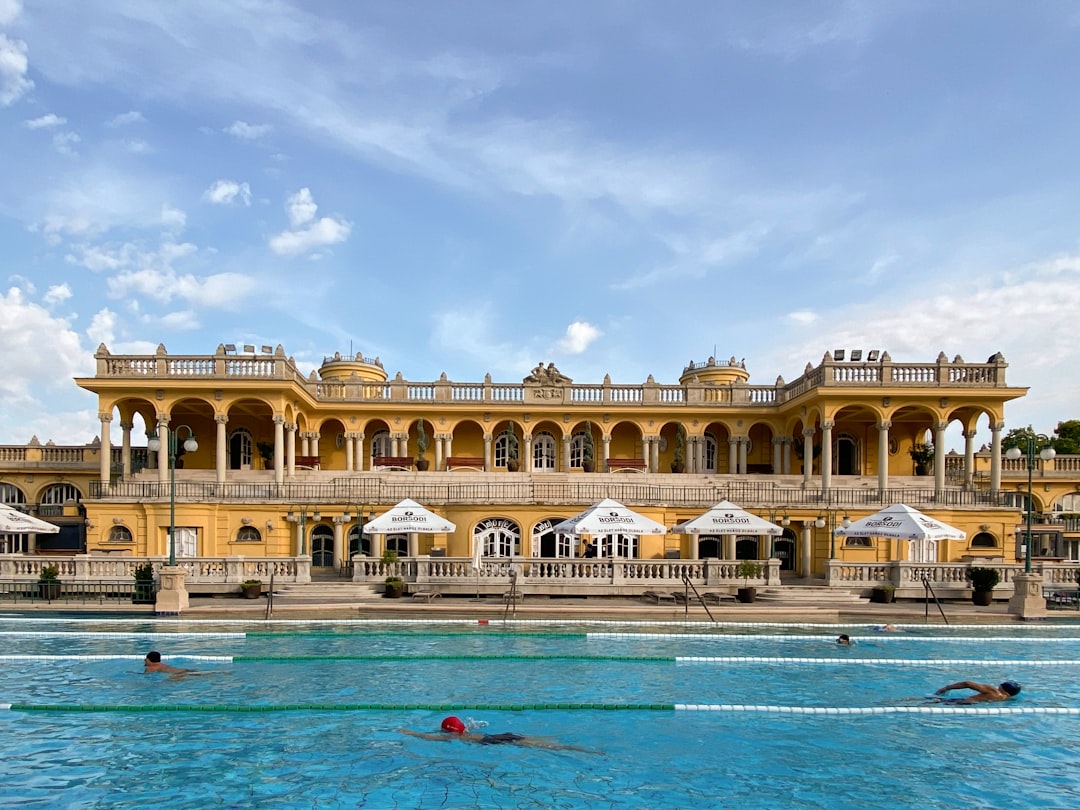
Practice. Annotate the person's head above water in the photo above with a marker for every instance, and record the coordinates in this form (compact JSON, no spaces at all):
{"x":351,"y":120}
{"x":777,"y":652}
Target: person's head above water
{"x":453,"y":725}
{"x":1010,"y":688}
{"x":154,"y":657}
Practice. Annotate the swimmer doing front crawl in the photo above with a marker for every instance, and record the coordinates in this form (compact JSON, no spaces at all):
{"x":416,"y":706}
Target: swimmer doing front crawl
{"x":984,"y":692}
{"x":454,"y":729}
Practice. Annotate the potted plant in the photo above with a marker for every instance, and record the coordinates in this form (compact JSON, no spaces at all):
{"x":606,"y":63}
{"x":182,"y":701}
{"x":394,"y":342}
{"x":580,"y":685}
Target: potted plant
{"x":421,"y":447}
{"x":395,"y":585}
{"x":747,"y":570}
{"x":144,"y":584}
{"x":983,"y":581}
{"x":49,"y":582}
{"x":266,"y":450}
{"x":251,"y":588}
{"x":511,"y":450}
{"x":883,"y":593}
{"x":588,"y":451}
{"x":678,"y":461}
{"x":923,"y":456}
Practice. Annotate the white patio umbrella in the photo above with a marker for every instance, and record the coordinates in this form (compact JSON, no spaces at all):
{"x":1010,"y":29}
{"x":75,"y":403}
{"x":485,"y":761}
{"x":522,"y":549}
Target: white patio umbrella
{"x":727,"y":518}
{"x":609,"y":517}
{"x":12,"y":521}
{"x":901,"y":522}
{"x":408,"y":516}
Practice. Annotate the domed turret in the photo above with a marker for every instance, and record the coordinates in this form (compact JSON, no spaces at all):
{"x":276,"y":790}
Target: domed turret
{"x":717,"y":372}
{"x":340,"y":368}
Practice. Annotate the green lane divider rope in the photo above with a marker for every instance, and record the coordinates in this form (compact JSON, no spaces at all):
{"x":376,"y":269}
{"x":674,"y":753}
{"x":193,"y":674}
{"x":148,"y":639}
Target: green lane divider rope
{"x":347,"y":707}
{"x":286,"y":659}
{"x":409,"y":634}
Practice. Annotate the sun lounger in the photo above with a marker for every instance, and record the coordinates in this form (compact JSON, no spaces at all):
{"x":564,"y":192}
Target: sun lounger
{"x":427,"y":596}
{"x":717,"y":597}
{"x":659,"y":596}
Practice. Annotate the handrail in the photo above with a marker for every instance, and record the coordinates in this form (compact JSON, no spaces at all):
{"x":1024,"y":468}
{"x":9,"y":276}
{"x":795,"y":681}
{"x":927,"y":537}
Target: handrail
{"x":270,"y":598}
{"x":926,"y":611}
{"x":686,"y":598}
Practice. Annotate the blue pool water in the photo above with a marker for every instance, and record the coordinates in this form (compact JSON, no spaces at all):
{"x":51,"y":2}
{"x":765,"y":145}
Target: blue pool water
{"x":672,"y":716}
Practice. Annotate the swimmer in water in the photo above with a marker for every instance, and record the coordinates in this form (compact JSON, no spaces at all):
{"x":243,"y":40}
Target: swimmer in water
{"x":984,"y":692}
{"x":844,"y":639}
{"x":454,"y":729}
{"x":152,"y":663}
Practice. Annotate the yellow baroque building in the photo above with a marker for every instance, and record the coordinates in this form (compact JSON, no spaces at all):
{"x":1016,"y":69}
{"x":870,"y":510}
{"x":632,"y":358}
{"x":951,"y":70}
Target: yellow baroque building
{"x":256,"y":460}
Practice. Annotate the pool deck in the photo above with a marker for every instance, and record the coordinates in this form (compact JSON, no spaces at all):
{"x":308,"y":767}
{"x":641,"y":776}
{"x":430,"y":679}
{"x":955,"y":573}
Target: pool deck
{"x":593,"y":609}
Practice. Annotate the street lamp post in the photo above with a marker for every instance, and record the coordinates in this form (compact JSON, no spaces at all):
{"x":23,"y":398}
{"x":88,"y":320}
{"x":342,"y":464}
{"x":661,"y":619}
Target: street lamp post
{"x":1046,"y":454}
{"x":820,"y":523}
{"x":190,"y":446}
{"x":299,"y":515}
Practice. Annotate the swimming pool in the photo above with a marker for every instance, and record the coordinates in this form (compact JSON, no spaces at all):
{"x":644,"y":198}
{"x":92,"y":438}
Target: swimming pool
{"x":302,"y":714}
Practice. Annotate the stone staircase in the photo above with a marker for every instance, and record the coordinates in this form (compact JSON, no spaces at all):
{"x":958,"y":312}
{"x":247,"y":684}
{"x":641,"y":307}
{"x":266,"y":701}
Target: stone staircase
{"x":325,"y":592}
{"x":810,"y":596}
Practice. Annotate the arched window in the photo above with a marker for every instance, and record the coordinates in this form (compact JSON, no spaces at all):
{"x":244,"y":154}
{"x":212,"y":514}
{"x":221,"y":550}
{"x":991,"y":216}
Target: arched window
{"x":11,"y":494}
{"x":248,"y":534}
{"x":546,"y":543}
{"x":54,"y":498}
{"x":359,"y":543}
{"x":577,"y":449}
{"x":502,"y":448}
{"x":240,"y":448}
{"x":543,"y":448}
{"x":120,"y":534}
{"x":746,"y":548}
{"x":398,"y":543}
{"x":984,"y":540}
{"x":322,"y":546}
{"x":710,"y":453}
{"x":617,"y":545}
{"x":381,"y":445}
{"x":499,"y":537}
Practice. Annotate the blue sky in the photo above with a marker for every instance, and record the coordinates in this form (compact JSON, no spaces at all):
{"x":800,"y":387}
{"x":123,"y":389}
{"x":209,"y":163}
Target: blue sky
{"x":476,"y":187}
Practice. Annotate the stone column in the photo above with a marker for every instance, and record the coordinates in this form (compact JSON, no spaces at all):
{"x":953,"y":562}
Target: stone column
{"x":359,"y":465}
{"x":995,"y":456}
{"x":489,"y":459}
{"x":565,"y":466}
{"x":654,"y":461}
{"x":808,"y":456}
{"x":339,"y":537}
{"x":777,"y":443}
{"x":125,"y":449}
{"x":350,"y":451}
{"x":105,"y":462}
{"x":290,"y":448}
{"x":221,"y":447}
{"x":733,"y":456}
{"x":163,"y":454}
{"x":883,"y":455}
{"x":969,"y":458}
{"x":279,"y":449}
{"x":806,"y":549}
{"x":315,"y":444}
{"x":645,"y":451}
{"x":605,"y":450}
{"x":527,"y":461}
{"x":939,"y":458}
{"x":787,"y":454}
{"x":304,"y":444}
{"x":440,"y":439}
{"x":826,"y":455}
{"x":744,"y":444}
{"x":729,"y":547}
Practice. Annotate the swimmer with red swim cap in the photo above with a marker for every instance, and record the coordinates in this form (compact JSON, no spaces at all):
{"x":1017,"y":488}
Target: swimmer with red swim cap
{"x":453,"y":728}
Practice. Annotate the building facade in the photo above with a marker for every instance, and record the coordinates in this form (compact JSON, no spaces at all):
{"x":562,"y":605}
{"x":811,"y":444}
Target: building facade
{"x":256,"y":459}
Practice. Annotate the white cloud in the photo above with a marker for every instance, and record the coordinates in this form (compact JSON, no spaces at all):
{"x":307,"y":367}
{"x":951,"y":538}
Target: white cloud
{"x":39,"y":351}
{"x":102,"y":327}
{"x":13,"y":68}
{"x":126,"y":119}
{"x":136,"y":146}
{"x":579,"y":335}
{"x":247,"y":132}
{"x":9,"y":11}
{"x":182,"y":321}
{"x":99,"y":257}
{"x":221,"y":290}
{"x":57,"y":294}
{"x":64,"y":143}
{"x":301,"y":209}
{"x":803,"y":317}
{"x":45,"y":121}
{"x":224,"y":192}
{"x":173,"y":218}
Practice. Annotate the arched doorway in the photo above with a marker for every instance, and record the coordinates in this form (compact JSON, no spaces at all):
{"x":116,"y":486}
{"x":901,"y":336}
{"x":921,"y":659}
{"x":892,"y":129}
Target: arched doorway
{"x":322,"y":546}
{"x":784,"y":550}
{"x":240,"y":446}
{"x":746,"y":548}
{"x":847,"y":455}
{"x":710,"y":547}
{"x":546,"y":543}
{"x":498,"y":537}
